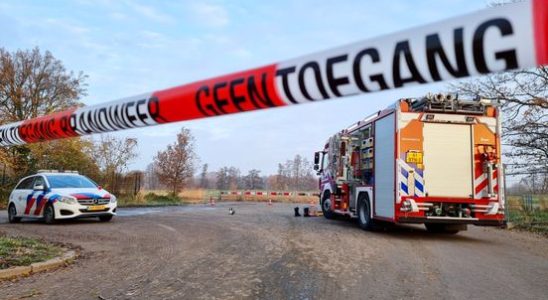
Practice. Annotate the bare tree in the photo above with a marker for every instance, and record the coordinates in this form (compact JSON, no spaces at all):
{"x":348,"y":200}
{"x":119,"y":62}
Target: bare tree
{"x":229,"y":178}
{"x":279,"y":182}
{"x":523,"y":96}
{"x":204,"y":182}
{"x":175,"y":165}
{"x":222,"y":179}
{"x":234,"y":180}
{"x":151,"y":181}
{"x":309,"y":181}
{"x":33,"y":84}
{"x":294,"y":174}
{"x":253,"y":180}
{"x":112,"y":155}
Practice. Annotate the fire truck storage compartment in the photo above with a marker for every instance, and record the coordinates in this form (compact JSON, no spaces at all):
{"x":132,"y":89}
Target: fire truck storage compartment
{"x":384,"y":167}
{"x":447,"y":160}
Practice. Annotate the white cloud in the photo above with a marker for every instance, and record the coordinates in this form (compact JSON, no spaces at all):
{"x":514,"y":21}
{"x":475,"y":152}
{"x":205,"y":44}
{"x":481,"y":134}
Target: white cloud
{"x":118,"y":16}
{"x":150,"y":12}
{"x":167,"y":130}
{"x":211,"y":15}
{"x":152,"y":39}
{"x":68,"y":26}
{"x":242,"y":53}
{"x":153,"y":35}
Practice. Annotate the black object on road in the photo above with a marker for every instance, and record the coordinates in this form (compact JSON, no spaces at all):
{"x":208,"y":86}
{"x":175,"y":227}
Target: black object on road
{"x":306,"y":212}
{"x":231,"y":211}
{"x":297,"y":214}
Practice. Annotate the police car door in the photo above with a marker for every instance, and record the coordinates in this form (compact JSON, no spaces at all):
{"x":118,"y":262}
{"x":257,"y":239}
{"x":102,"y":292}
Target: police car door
{"x":20,"y":194}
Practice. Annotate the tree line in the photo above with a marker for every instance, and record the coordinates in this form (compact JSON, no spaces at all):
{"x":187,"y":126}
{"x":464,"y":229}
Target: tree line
{"x":295,"y":174}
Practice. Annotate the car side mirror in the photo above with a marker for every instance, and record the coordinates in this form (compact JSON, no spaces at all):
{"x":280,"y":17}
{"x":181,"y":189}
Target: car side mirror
{"x":39,"y":187}
{"x":316,"y":158}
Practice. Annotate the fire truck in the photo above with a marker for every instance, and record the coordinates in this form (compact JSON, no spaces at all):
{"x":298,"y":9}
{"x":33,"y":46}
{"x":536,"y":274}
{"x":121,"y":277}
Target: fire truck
{"x":434,"y":160}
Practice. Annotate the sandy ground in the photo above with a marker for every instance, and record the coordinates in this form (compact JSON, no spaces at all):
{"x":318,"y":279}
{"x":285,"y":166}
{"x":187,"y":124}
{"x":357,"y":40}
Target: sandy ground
{"x":263,"y":252}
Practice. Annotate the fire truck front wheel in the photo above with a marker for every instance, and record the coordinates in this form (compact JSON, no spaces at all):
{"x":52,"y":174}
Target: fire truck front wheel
{"x":326,"y":205}
{"x":364,"y":213}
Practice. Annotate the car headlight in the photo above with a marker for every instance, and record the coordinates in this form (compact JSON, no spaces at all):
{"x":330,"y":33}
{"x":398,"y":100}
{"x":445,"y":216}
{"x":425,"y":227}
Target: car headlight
{"x":68,"y":200}
{"x":112,"y":199}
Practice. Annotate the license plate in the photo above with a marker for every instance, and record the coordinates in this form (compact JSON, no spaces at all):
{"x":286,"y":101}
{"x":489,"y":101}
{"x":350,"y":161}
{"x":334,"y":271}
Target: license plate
{"x":97,"y":207}
{"x":414,"y":157}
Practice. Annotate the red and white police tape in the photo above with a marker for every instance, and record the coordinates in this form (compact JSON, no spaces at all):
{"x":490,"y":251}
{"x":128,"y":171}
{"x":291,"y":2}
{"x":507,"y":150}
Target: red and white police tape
{"x":509,"y":37}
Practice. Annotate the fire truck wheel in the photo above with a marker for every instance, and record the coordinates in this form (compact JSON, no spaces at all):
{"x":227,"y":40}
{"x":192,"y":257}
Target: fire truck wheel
{"x":326,"y":206}
{"x":364,"y":213}
{"x":441,"y":228}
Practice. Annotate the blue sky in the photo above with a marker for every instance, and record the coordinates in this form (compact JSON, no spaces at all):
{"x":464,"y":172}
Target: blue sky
{"x":131,"y":47}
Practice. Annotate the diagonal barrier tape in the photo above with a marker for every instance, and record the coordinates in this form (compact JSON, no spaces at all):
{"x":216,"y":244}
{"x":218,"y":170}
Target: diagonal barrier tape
{"x":510,"y":37}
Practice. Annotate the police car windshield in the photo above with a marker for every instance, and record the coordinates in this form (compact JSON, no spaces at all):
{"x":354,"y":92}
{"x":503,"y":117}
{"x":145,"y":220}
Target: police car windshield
{"x":69,"y":181}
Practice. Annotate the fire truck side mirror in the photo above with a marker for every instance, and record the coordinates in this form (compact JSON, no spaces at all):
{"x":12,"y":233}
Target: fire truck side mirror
{"x":316,"y":160}
{"x":316,"y":167}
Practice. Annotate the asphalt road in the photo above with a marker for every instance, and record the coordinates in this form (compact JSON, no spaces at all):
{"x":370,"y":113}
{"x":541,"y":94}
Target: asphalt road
{"x":264,"y":252}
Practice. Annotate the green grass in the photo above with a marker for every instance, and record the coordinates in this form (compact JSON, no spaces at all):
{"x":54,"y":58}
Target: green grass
{"x":21,"y":251}
{"x":522,"y":218}
{"x":534,"y":221}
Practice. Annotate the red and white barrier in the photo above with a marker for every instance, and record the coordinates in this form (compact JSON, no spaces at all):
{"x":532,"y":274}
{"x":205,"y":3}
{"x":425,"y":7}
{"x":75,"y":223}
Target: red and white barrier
{"x":268,"y":193}
{"x":509,"y":37}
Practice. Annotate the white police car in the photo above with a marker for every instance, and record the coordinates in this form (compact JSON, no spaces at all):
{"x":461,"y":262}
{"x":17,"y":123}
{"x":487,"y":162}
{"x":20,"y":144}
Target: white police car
{"x":54,"y":195}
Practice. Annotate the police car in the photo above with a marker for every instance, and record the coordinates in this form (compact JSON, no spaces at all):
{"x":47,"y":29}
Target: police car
{"x":54,"y":195}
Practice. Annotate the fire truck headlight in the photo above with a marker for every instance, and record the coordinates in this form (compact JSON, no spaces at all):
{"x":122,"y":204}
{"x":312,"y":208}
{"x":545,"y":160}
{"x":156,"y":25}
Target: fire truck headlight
{"x":406,"y":206}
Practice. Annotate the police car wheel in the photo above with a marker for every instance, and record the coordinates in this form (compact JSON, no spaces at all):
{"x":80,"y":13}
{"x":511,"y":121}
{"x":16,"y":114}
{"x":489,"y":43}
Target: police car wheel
{"x":12,"y":214}
{"x":49,"y":214}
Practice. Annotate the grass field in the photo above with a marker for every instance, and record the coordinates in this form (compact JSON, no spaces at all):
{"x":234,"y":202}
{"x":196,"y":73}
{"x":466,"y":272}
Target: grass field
{"x":21,"y":251}
{"x":534,"y":220}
